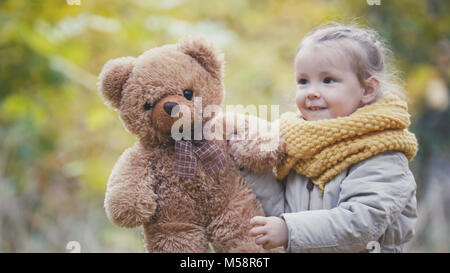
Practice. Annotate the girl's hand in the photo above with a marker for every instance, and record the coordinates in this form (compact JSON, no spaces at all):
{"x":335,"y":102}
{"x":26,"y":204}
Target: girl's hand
{"x":270,"y":232}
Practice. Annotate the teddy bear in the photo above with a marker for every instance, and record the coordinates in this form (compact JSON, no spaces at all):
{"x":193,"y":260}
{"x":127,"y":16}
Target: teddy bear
{"x":186,"y":193}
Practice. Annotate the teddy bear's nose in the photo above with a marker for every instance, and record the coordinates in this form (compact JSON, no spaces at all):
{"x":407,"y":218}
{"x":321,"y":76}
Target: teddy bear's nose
{"x":168,"y":107}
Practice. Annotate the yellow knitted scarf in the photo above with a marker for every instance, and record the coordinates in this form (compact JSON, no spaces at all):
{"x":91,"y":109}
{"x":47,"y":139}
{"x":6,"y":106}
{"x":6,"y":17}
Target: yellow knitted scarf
{"x":323,"y":149}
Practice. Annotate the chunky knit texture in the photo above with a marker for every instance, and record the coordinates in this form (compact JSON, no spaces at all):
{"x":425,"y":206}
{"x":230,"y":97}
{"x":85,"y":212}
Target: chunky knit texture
{"x":323,"y":149}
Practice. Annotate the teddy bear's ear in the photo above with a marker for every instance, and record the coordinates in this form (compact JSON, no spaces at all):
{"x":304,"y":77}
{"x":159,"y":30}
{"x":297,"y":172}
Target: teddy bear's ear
{"x":204,"y":53}
{"x":114,"y":75}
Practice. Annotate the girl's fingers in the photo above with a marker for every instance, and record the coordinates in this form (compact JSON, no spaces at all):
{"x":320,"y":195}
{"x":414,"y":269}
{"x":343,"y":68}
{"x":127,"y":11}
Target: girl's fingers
{"x":259,"y":230}
{"x":262,"y":240}
{"x":268,"y":245}
{"x":258,"y":221}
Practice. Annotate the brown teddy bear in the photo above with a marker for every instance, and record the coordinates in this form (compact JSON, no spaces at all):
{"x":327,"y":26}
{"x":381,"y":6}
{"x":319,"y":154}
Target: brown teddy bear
{"x":184,"y":193}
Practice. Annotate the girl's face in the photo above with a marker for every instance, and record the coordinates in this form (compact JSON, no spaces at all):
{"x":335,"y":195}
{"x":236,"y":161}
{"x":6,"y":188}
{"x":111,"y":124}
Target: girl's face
{"x":327,"y":86}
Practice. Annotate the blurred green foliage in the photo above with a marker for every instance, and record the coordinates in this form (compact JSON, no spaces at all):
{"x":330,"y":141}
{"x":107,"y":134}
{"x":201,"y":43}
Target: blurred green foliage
{"x":59,"y":141}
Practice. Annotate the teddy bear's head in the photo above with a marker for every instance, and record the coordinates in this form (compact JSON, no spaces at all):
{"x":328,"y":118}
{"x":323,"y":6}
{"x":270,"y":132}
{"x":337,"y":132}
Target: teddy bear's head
{"x":146,"y":89}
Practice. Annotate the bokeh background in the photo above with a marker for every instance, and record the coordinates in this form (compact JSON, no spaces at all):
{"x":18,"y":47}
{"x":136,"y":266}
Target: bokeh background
{"x":59,"y":142}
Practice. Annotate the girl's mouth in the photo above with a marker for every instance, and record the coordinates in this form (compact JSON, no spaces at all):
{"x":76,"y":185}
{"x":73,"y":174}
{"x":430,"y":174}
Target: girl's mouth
{"x":316,"y":108}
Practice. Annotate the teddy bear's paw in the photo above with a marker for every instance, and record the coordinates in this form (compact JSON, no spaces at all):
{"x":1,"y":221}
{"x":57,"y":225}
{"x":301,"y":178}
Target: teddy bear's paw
{"x":257,"y":146}
{"x":145,"y":206}
{"x":127,"y":208}
{"x":124,"y":216}
{"x":131,"y":216}
{"x":257,"y":155}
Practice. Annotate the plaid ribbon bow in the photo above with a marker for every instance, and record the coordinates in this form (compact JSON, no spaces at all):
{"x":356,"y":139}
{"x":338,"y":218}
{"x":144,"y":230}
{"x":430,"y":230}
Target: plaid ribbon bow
{"x":209,"y":153}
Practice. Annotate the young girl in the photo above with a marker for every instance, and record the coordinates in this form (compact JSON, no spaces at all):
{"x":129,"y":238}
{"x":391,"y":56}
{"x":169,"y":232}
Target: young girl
{"x":345,"y":184}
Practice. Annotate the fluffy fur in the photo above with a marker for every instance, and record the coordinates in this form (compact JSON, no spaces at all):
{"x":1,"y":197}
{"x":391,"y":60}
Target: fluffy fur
{"x":177,"y":214}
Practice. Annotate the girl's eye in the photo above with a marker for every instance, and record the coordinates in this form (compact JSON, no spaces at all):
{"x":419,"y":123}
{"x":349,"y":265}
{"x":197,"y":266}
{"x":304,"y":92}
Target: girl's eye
{"x":303,"y":81}
{"x":188,"y":94}
{"x":328,"y":80}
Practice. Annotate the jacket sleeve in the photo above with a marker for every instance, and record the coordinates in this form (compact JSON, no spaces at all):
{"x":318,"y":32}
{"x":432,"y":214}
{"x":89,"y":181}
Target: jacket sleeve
{"x":268,"y":191}
{"x":372,"y":196}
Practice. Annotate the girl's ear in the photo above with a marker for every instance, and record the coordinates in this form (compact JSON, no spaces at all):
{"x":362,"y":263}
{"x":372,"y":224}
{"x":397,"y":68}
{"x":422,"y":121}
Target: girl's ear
{"x":371,"y":88}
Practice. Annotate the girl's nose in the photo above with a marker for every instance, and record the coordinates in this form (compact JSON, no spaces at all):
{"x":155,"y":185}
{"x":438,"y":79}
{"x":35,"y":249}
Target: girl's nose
{"x":312,"y":94}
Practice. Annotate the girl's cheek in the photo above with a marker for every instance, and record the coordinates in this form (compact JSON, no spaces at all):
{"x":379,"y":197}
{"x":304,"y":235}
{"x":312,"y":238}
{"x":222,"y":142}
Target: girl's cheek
{"x":299,"y":99}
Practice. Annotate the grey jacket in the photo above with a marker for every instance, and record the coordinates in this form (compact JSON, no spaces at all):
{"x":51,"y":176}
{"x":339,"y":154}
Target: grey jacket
{"x":372,"y":203}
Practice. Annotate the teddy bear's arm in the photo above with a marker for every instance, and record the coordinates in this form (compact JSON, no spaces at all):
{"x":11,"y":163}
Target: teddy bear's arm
{"x":259,"y":147}
{"x":130,"y":200}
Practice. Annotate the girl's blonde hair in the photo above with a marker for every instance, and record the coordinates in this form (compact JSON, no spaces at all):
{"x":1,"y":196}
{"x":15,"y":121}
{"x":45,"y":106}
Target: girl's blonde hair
{"x":369,"y":54}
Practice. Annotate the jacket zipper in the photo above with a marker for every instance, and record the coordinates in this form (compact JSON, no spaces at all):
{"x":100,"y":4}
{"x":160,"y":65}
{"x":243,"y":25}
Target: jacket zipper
{"x":310,"y":187}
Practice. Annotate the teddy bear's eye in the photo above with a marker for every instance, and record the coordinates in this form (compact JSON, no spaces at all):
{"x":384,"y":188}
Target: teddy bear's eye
{"x":147,"y":106}
{"x":187,"y":93}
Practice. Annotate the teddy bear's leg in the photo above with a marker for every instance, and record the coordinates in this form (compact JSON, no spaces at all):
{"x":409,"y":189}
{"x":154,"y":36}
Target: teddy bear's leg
{"x":175,"y":237}
{"x":229,"y":231}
